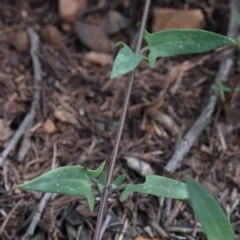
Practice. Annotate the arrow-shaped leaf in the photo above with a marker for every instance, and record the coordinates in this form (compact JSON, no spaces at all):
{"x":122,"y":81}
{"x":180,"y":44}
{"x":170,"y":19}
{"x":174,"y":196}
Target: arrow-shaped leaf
{"x":158,"y":186}
{"x":125,"y":61}
{"x":71,"y":180}
{"x":175,"y":42}
{"x":209,"y":213}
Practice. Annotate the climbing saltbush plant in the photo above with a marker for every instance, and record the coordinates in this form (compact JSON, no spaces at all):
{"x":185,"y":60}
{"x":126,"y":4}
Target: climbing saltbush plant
{"x":168,"y":43}
{"x":81,"y":181}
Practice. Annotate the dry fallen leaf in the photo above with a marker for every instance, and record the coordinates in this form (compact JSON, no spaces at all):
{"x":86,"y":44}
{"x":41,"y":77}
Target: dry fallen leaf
{"x":49,"y":126}
{"x":98,"y":59}
{"x":168,"y":18}
{"x":65,"y":116}
{"x":68,"y":9}
{"x":93,"y":37}
{"x":51,"y":35}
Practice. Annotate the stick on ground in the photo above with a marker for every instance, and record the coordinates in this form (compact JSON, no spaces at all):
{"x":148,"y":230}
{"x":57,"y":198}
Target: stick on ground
{"x":37,"y":216}
{"x":27,"y":122}
{"x":184,"y":144}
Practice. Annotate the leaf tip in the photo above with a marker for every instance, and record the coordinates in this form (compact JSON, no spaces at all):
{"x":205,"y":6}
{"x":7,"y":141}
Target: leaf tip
{"x":20,"y":186}
{"x":120,"y":44}
{"x":123,"y":196}
{"x":115,"y":74}
{"x":91,"y":207}
{"x":103,"y":164}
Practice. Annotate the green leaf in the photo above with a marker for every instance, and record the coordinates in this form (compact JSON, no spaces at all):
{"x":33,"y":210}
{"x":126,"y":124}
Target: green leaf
{"x":101,"y":181}
{"x":237,"y":17}
{"x":71,"y":180}
{"x":118,"y":181}
{"x":125,"y":61}
{"x":102,"y":178}
{"x":100,"y":187}
{"x":158,"y":186}
{"x":94,"y":173}
{"x":177,"y":42}
{"x":209,"y":213}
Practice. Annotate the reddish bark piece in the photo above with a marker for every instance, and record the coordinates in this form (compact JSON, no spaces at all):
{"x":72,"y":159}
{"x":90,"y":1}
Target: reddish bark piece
{"x":49,"y":126}
{"x":93,"y":37}
{"x":65,"y":116}
{"x":148,"y":128}
{"x":169,"y":18}
{"x":68,"y":9}
{"x":98,"y":59}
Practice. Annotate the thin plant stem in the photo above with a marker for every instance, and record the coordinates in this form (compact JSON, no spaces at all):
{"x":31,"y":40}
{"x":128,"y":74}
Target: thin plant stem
{"x":107,"y":190}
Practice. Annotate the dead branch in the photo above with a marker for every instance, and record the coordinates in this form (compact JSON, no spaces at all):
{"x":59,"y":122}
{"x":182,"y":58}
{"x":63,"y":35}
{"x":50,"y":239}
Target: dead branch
{"x":27,"y":122}
{"x":183,"y":144}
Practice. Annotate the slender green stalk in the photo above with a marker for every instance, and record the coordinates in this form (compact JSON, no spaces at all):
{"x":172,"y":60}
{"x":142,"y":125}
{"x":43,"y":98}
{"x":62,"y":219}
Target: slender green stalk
{"x":107,"y":189}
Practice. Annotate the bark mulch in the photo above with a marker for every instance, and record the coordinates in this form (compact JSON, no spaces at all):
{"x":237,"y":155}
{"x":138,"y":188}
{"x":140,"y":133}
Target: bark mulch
{"x":76,"y":121}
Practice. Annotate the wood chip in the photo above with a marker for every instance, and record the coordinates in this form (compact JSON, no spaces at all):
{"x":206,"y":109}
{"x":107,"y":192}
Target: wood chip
{"x":98,"y":59}
{"x":68,"y":9}
{"x":65,"y":116}
{"x":168,"y":18}
{"x":49,"y":126}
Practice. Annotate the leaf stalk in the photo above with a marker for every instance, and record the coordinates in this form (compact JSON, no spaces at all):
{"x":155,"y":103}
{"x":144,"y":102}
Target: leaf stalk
{"x":107,"y":189}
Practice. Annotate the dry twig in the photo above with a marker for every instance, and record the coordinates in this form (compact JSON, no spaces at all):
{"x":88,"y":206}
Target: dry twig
{"x":24,"y":128}
{"x":37,"y":216}
{"x":9,"y":216}
{"x":184,"y":143}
